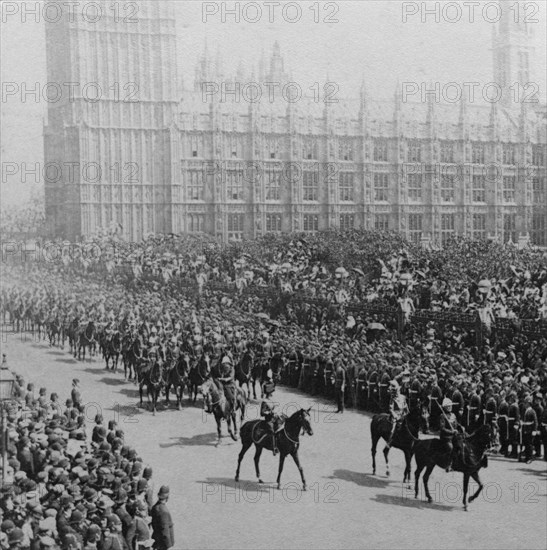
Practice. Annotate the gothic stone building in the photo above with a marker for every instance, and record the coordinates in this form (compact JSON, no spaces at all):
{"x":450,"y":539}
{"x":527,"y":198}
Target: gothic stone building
{"x":210,"y":159}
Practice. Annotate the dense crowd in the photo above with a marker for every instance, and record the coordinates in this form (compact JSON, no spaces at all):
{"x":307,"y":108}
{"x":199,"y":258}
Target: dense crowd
{"x":71,"y":486}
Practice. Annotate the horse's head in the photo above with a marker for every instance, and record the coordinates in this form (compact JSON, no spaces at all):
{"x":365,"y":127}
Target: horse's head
{"x":305,"y":421}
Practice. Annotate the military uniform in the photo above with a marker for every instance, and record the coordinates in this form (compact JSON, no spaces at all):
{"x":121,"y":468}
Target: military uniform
{"x":162,"y":525}
{"x":415,"y":394}
{"x":513,"y":421}
{"x":340,"y":386}
{"x":458,"y":404}
{"x":436,"y":397}
{"x":473,"y":412}
{"x":503,"y":425}
{"x":529,"y":427}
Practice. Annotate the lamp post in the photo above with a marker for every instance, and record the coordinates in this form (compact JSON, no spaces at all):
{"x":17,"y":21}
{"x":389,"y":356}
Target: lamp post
{"x":7,"y":381}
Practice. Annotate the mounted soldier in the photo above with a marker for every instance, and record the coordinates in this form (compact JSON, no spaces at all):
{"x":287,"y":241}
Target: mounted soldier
{"x":268,"y":409}
{"x":398,"y":408}
{"x":450,"y":432}
{"x":415,"y":394}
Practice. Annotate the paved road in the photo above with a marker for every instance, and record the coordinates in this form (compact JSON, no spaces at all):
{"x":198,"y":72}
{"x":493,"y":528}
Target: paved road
{"x":345,"y":506}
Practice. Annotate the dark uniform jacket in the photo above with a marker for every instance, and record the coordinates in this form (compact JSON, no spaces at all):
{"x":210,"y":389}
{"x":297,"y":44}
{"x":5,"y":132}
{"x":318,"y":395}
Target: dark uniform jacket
{"x":162,"y":525}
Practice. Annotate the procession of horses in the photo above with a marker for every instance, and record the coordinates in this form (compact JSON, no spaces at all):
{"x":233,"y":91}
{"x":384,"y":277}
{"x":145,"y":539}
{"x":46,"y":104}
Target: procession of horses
{"x":178,"y":359}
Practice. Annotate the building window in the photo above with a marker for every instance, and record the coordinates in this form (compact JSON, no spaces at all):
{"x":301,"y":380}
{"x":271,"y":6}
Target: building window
{"x":347,"y":222}
{"x":447,"y":151}
{"x":509,"y":153}
{"x":509,"y":228}
{"x":415,"y":227}
{"x":479,"y":226}
{"x":415,"y":187}
{"x":273,"y":223}
{"x":345,"y":150}
{"x":311,"y":222}
{"x":381,"y":222}
{"x":310,"y":185}
{"x":381,"y":187}
{"x":345,"y":182}
{"x":414,"y":151}
{"x":195,"y":185}
{"x":477,"y":153}
{"x":539,"y":229}
{"x":447,"y":188}
{"x":479,"y":188}
{"x":196,"y":223}
{"x":234,"y":185}
{"x":235,"y":226}
{"x":447,"y":227}
{"x":309,"y":149}
{"x":509,"y":188}
{"x":538,"y":191}
{"x":195,"y":146}
{"x":538,"y":155}
{"x":380,"y":150}
{"x":273,"y":184}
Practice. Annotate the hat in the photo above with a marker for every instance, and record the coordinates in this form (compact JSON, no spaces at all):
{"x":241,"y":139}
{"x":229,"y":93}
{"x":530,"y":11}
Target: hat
{"x":7,"y":524}
{"x":47,"y":542}
{"x":447,"y":402}
{"x":16,"y":535}
{"x":163,"y":492}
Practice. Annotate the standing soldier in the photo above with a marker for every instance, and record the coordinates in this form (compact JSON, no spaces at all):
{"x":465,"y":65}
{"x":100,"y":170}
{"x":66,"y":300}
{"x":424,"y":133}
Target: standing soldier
{"x":529,"y":428}
{"x":458,"y":403}
{"x":162,"y":524}
{"x":513,"y":425}
{"x":490,"y":412}
{"x":362,"y":400}
{"x":538,"y":407}
{"x":435,"y":411}
{"x":503,"y":424}
{"x":339,"y":385}
{"x":414,"y":394}
{"x":474,"y":410}
{"x":543,"y":430}
{"x":372,"y":391}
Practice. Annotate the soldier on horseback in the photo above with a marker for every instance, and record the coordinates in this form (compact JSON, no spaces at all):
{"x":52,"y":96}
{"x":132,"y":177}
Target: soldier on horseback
{"x":227,"y":379}
{"x":450,"y":432}
{"x":397,"y":408}
{"x":268,"y":409}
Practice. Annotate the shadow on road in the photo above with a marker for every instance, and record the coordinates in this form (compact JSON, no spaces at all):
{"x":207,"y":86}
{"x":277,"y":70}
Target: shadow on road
{"x":53,"y":352}
{"x":113,"y":381}
{"x":199,"y":439}
{"x":411,"y":503}
{"x":212,"y":485}
{"x":67,"y":361}
{"x":360,"y":478}
{"x":536,"y":473}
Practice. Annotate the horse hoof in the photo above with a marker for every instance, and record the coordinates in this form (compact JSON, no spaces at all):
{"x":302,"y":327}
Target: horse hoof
{"x":429,"y":500}
{"x":279,"y":486}
{"x":304,"y":488}
{"x":465,"y":508}
{"x":387,"y":473}
{"x":236,"y":479}
{"x":260,"y":481}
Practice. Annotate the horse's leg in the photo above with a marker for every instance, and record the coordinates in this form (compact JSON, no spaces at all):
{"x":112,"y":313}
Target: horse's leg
{"x":417,"y":473}
{"x":475,"y":476}
{"x":465,"y":488}
{"x":282,"y":457}
{"x":373,"y":452}
{"x":408,"y":458}
{"x":232,"y":415}
{"x":386,"y":453}
{"x":244,"y":449}
{"x":300,"y":469}
{"x":218,"y":419}
{"x":428,"y":471}
{"x":257,"y":461}
{"x":167,"y":388}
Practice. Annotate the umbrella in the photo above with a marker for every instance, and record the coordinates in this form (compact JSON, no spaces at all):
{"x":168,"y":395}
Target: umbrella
{"x":357,"y":270}
{"x":341,"y":272}
{"x":376,"y":326}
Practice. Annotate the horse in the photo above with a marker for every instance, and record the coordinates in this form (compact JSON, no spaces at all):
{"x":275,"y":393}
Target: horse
{"x":87,"y":338}
{"x":243,"y":370}
{"x":288,"y":442}
{"x":199,"y":373}
{"x":177,"y":376}
{"x":257,"y":373}
{"x":404,"y":437}
{"x":213,"y":393}
{"x":54,"y":331}
{"x":132,"y":356}
{"x":151,"y":375}
{"x":429,"y":453}
{"x":72,"y":333}
{"x":113,"y":349}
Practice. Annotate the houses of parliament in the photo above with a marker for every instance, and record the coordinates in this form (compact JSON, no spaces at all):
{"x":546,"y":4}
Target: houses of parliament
{"x":212,"y":158}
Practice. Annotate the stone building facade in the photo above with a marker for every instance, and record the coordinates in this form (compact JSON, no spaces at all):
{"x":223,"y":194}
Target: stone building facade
{"x":213,"y":159}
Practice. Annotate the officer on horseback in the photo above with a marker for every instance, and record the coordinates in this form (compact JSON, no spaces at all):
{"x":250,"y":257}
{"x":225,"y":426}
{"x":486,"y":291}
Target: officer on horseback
{"x":397,"y":408}
{"x":450,"y":432}
{"x":269,"y":412}
{"x":227,"y":378}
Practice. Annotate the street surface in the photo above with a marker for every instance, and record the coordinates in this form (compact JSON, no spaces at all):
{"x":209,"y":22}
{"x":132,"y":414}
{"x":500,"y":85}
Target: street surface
{"x":344,"y":507}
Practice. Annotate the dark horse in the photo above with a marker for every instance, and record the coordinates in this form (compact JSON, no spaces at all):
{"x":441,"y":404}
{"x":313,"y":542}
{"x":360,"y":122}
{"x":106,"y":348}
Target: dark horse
{"x":132,"y":355}
{"x":87,"y":338}
{"x":404,"y":438}
{"x":243,"y":370}
{"x":199,"y":373}
{"x":429,"y":453}
{"x":288,"y":442}
{"x":113,"y":349}
{"x":213,"y":393}
{"x":177,"y":376}
{"x":151,"y":375}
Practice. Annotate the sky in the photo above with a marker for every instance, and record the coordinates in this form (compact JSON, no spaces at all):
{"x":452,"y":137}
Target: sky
{"x":347,"y":40}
